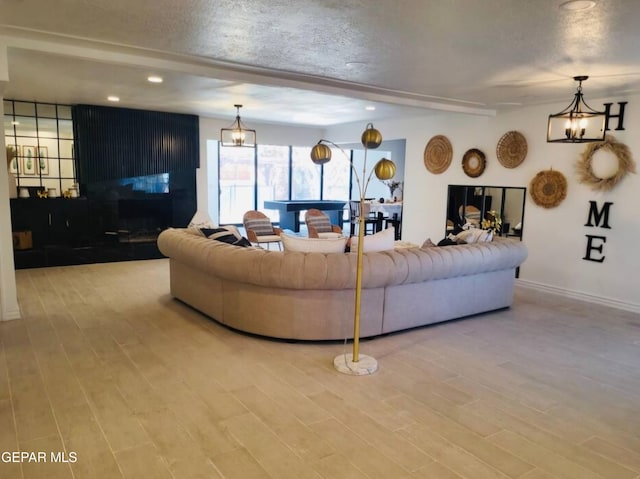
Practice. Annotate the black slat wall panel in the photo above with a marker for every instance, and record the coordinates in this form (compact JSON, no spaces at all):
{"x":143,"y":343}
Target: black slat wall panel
{"x":114,"y":143}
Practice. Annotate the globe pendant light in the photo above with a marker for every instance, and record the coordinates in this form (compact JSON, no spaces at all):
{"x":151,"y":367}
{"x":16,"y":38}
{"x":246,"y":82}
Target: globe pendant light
{"x":385,"y":169}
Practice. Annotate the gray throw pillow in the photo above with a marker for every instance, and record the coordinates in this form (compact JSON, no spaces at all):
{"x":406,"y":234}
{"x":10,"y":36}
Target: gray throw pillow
{"x":322,"y":224}
{"x":261,"y":226}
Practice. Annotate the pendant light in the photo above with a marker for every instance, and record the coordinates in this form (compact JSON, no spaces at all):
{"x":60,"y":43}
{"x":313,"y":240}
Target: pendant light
{"x":578,"y":123}
{"x":237,"y":134}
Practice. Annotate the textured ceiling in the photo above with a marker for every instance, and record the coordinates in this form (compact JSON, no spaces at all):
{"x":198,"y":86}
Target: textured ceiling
{"x":318,"y":62}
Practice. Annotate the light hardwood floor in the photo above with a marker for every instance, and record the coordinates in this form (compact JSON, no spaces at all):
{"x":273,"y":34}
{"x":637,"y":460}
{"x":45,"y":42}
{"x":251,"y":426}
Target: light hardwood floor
{"x":106,"y":365}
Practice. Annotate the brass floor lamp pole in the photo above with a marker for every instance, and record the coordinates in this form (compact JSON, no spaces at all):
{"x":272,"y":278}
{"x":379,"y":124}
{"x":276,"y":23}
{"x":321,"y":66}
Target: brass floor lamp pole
{"x":356,"y":317}
{"x":355,"y":363}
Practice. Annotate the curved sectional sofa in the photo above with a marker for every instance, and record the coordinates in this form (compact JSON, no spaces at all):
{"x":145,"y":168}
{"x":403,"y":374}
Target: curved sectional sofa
{"x":310,"y":296}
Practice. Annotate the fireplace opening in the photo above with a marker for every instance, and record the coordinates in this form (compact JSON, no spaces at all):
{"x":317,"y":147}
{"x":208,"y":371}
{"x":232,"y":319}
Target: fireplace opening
{"x":140,"y":220}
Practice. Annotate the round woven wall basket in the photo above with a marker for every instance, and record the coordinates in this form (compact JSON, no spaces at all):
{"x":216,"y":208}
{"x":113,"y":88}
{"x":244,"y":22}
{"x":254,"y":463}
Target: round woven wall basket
{"x":548,"y":188}
{"x":511,"y":149}
{"x":474,"y":162}
{"x":438,"y":154}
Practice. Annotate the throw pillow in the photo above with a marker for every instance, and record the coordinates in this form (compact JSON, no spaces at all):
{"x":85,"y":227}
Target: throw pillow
{"x":229,"y":235}
{"x":474,"y":235}
{"x":244,"y":242}
{"x":201,"y":220}
{"x":428,"y":243}
{"x":313,"y":245}
{"x":446,"y":242}
{"x":261,"y":226}
{"x":381,"y":241}
{"x":322,"y":224}
{"x":331,"y":234}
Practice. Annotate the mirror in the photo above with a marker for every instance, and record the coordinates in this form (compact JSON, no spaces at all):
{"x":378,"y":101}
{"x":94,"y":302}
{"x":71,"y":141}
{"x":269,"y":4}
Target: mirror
{"x":472,"y":204}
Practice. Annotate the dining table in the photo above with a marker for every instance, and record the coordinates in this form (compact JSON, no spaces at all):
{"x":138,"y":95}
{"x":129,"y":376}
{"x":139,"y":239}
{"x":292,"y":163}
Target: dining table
{"x":290,"y":211}
{"x":388,"y":209}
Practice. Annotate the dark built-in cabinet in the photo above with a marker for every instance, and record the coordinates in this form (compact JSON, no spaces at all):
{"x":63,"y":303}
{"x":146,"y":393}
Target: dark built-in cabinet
{"x":65,"y":231}
{"x":52,"y":221}
{"x":135,"y":171}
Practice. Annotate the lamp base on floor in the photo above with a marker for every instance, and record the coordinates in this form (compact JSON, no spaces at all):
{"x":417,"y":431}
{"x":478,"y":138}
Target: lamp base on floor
{"x":365,"y":365}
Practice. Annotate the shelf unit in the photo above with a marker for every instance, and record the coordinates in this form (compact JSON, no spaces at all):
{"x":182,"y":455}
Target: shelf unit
{"x":42,"y":136}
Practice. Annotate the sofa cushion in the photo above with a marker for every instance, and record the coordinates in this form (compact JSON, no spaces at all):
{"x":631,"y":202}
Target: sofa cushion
{"x":226,"y":234}
{"x":381,"y":241}
{"x":313,"y":245}
{"x":322,"y":224}
{"x":260,"y":226}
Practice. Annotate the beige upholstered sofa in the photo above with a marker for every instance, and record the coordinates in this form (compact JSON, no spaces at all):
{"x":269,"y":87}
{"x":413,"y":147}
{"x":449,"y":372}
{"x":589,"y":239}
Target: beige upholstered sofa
{"x":310,"y":296}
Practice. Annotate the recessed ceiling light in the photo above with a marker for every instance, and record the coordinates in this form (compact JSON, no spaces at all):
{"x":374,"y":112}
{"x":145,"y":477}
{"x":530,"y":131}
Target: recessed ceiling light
{"x":15,"y":123}
{"x":154,"y":79}
{"x":355,"y":64}
{"x":370,"y":108}
{"x":575,"y":5}
{"x":113,"y":98}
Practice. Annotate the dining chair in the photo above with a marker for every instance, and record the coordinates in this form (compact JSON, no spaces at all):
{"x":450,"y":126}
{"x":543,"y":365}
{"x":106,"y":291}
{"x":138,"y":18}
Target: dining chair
{"x":260,"y":230}
{"x":371,"y":223}
{"x":319,"y":225}
{"x":396,"y":222}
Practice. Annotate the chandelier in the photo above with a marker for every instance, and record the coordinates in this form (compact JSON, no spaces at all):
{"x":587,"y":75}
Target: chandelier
{"x":237,"y":134}
{"x":577,"y":123}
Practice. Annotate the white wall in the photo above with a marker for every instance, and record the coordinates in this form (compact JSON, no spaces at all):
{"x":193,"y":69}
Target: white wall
{"x":555,"y":237}
{"x":9,"y":308}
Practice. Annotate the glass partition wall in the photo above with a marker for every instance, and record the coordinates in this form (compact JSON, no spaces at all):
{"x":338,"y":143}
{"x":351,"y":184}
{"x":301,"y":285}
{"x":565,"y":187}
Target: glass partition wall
{"x":41,"y":135}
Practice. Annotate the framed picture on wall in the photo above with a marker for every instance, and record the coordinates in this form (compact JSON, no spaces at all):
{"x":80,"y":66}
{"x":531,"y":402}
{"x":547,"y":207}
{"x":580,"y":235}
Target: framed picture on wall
{"x":29,"y":160}
{"x":44,"y":166}
{"x":43,"y":160}
{"x":13,"y":164}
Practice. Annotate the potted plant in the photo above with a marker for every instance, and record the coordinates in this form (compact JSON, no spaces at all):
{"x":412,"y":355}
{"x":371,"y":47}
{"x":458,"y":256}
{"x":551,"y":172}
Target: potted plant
{"x":393,"y":186}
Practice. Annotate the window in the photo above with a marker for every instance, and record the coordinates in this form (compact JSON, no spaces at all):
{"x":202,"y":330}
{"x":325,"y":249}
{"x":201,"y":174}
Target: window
{"x":336,"y":177}
{"x":248,"y":177}
{"x":305,"y":177}
{"x":273,"y":176}
{"x":237,"y":183}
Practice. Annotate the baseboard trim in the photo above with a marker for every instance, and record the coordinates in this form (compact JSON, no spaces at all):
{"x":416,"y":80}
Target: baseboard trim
{"x":10,"y":315}
{"x":590,"y":298}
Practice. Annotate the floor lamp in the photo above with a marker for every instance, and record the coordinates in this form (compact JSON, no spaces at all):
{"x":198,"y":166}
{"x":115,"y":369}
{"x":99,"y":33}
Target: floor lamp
{"x":355,"y":363}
